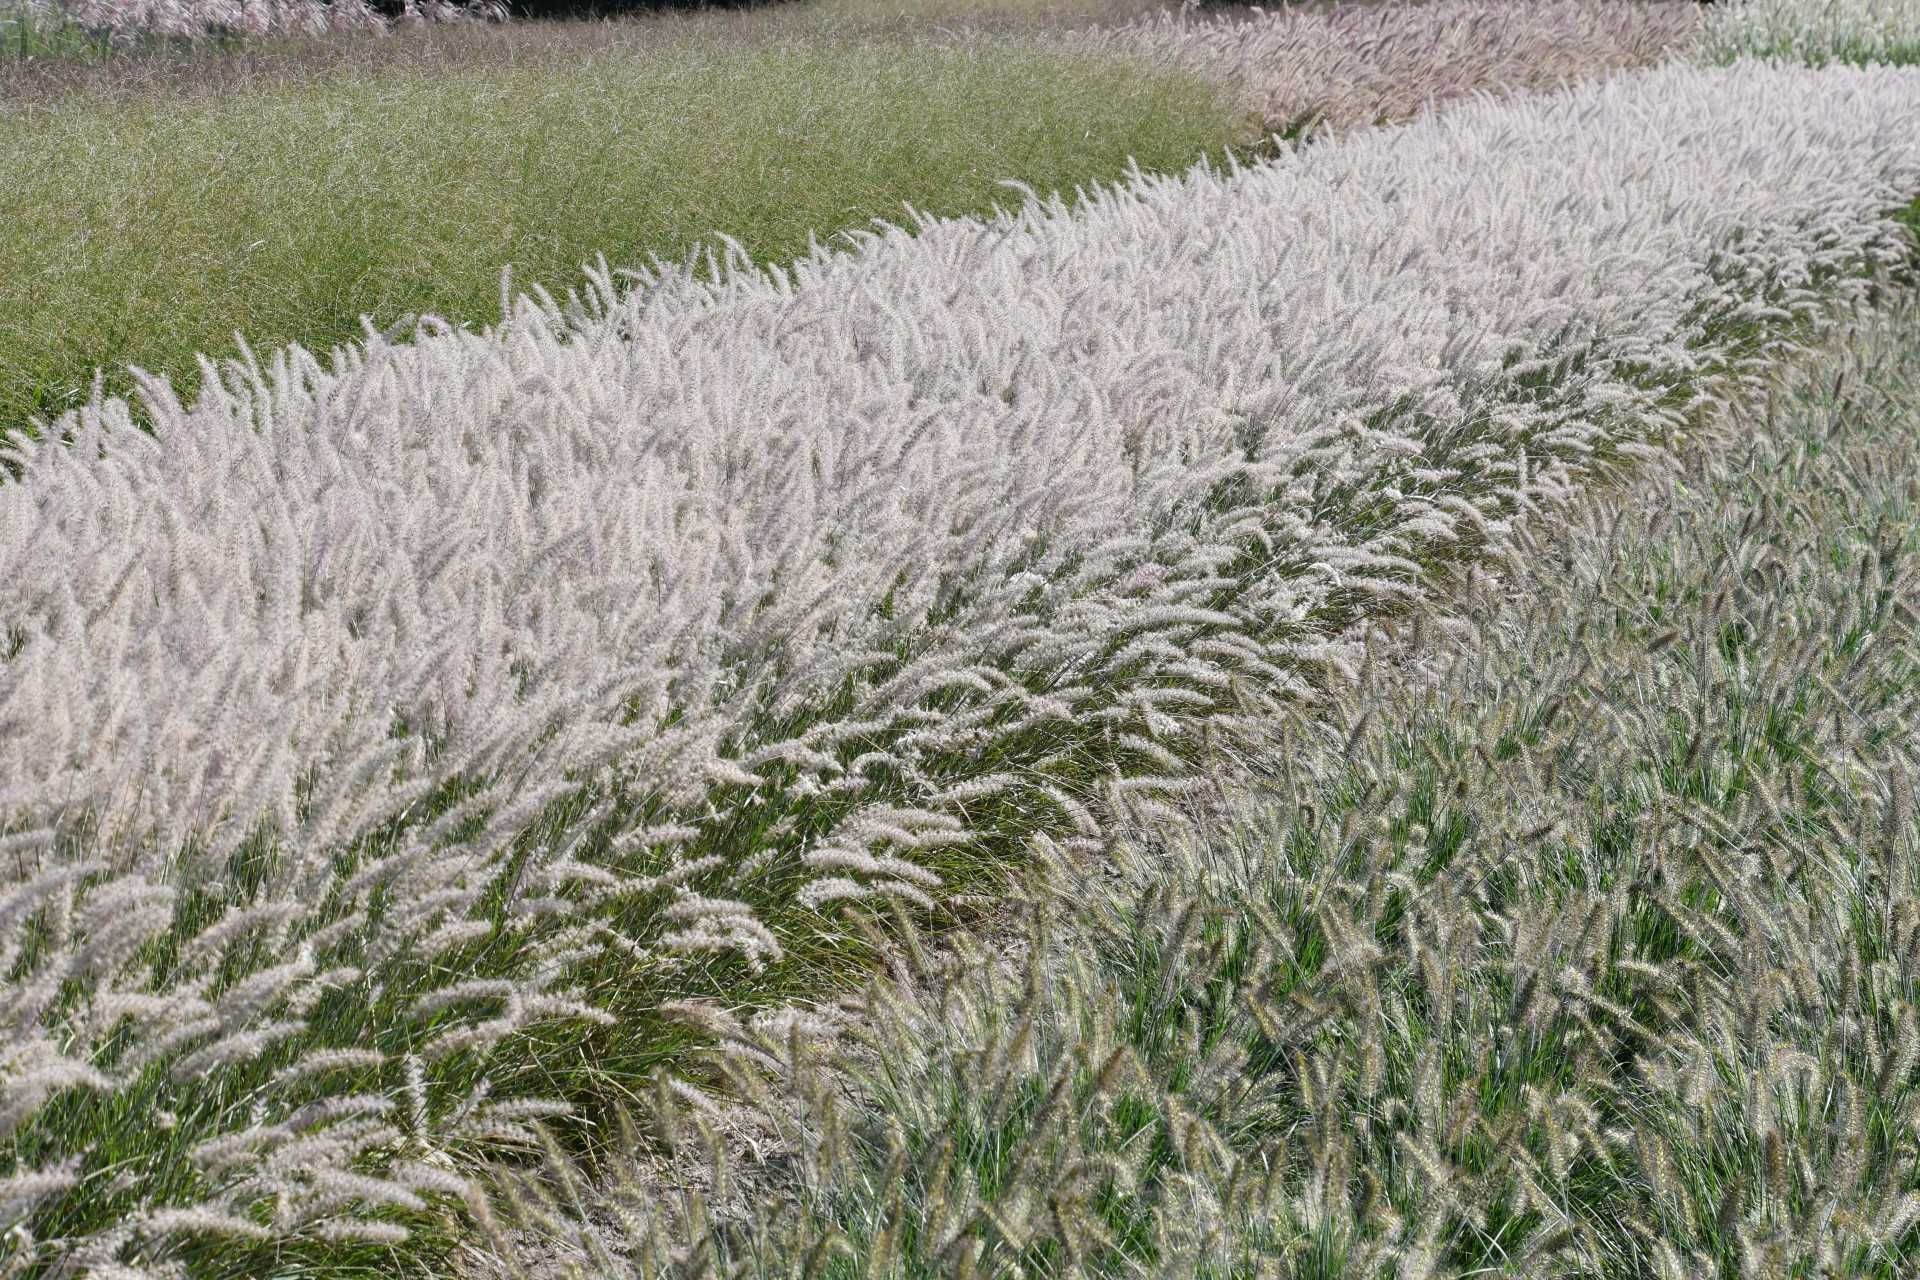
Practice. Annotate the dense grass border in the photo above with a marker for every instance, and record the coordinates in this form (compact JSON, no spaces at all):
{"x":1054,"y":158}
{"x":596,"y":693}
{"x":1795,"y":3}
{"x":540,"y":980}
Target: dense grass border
{"x":1486,"y":977}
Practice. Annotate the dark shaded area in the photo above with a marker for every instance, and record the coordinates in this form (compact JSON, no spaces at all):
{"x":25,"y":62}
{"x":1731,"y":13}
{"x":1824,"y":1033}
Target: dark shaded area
{"x":208,"y":67}
{"x":577,"y":9}
{"x":622,"y":8}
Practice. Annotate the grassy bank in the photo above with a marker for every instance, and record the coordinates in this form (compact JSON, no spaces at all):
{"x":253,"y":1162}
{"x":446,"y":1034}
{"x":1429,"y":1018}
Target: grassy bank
{"x":148,"y":229}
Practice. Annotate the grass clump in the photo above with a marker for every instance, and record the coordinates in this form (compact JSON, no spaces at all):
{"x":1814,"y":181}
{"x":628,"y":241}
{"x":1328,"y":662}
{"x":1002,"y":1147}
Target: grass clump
{"x":1816,"y":33}
{"x":145,"y":231}
{"x":1579,"y":941}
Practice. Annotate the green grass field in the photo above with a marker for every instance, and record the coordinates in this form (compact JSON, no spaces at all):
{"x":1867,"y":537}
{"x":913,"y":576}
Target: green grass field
{"x":143,"y":229}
